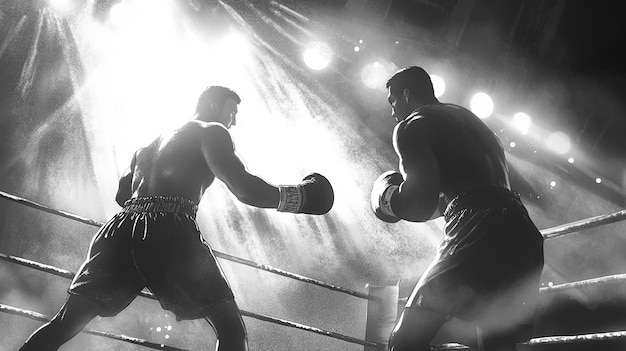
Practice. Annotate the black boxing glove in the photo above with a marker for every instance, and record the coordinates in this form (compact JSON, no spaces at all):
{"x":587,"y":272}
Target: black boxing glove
{"x":314,"y":195}
{"x":384,"y":188}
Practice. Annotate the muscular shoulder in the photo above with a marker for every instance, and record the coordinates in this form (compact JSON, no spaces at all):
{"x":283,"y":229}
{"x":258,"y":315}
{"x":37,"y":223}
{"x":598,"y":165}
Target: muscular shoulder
{"x":213,"y":135}
{"x":418,"y":128}
{"x":432,"y":121}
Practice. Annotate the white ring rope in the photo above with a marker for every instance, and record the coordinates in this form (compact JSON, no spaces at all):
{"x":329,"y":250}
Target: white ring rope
{"x":129,"y":339}
{"x":583,"y":283}
{"x":222,"y":255}
{"x":548,"y":233}
{"x":587,"y":223}
{"x":549,"y":340}
{"x":69,"y":275}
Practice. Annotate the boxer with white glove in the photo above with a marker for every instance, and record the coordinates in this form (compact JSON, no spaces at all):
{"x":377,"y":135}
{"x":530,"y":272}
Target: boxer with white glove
{"x":385,"y":187}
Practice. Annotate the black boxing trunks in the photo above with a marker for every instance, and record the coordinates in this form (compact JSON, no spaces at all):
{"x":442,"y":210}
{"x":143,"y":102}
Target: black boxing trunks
{"x":152,"y":242}
{"x":488,"y":264}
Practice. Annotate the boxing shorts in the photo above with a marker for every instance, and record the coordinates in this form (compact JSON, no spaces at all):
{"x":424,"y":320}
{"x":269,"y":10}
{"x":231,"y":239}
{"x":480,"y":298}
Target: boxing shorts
{"x":153,"y":242}
{"x":488,"y":265}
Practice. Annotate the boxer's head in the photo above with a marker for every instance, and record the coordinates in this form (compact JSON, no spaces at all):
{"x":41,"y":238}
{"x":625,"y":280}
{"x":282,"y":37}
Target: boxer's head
{"x":219,"y":104}
{"x":409,"y":88}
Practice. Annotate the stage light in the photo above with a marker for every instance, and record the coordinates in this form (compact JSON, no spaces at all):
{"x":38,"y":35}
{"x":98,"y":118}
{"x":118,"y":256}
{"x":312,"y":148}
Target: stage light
{"x":317,"y":55}
{"x":235,"y":44}
{"x":118,"y":14}
{"x":357,"y":48}
{"x":439,"y":85}
{"x":145,"y":16}
{"x":552,"y":184}
{"x":522,"y":122}
{"x":62,"y":6}
{"x":558,"y":142}
{"x":375,"y":74}
{"x":598,"y":180}
{"x":482,"y":105}
{"x":513,"y":144}
{"x":570,"y":160}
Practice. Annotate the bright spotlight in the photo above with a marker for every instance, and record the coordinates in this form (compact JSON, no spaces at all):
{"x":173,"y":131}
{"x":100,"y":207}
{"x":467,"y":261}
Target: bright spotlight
{"x":558,"y":142}
{"x":522,"y":122}
{"x":118,"y":14}
{"x":375,"y":74}
{"x":552,"y":184}
{"x":236,"y":44}
{"x":143,"y":16}
{"x":439,"y":85}
{"x":598,"y":180}
{"x":317,"y":55}
{"x":570,"y":160}
{"x":62,"y":6}
{"x":482,"y":105}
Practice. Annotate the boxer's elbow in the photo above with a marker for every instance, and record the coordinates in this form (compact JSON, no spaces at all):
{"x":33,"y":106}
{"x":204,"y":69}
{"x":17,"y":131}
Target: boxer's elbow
{"x":415,"y":209}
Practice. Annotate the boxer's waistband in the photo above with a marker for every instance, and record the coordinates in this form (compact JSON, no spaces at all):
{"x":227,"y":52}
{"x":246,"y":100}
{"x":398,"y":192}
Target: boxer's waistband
{"x":484,"y":197}
{"x":161,"y":204}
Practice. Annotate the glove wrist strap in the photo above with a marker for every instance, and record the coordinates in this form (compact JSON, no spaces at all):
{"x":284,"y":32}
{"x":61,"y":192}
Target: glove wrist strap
{"x":385,"y":200}
{"x":291,"y":198}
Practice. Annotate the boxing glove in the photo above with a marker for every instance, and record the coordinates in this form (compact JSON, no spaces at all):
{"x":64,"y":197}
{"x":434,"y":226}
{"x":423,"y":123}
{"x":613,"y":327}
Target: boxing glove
{"x":314,"y":195}
{"x":383,"y":190}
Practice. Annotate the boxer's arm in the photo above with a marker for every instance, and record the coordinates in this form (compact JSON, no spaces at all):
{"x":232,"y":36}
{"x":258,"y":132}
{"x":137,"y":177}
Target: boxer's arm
{"x":418,"y":197}
{"x":124,"y":189}
{"x":219,"y":154}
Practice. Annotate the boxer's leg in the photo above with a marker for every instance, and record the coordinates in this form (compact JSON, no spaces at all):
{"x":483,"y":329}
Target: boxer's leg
{"x":225,"y":318}
{"x":73,"y":316}
{"x":415,"y":330}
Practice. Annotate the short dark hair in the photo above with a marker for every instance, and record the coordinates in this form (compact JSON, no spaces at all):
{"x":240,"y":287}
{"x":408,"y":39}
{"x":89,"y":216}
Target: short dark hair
{"x":215,"y":95}
{"x":414,"y":78}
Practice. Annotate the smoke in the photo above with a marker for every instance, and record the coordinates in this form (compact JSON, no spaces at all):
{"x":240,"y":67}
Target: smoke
{"x":68,"y":155}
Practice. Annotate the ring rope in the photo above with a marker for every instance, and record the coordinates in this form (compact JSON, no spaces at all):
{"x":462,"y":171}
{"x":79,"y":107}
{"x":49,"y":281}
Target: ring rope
{"x":587,"y":223}
{"x":129,"y":339}
{"x":548,"y":340}
{"x":565,"y":286}
{"x":582,"y":283}
{"x":69,"y":275}
{"x":548,"y":233}
{"x":35,"y":205}
{"x":299,"y":277}
{"x":222,"y":255}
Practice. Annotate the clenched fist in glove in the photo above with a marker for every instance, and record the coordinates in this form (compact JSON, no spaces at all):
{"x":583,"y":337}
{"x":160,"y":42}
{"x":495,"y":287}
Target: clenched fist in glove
{"x":384,"y":188}
{"x":314,"y":195}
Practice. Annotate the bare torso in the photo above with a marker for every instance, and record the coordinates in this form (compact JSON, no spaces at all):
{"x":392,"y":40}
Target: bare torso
{"x":173,"y":164}
{"x":445,"y":149}
{"x":468,"y":152}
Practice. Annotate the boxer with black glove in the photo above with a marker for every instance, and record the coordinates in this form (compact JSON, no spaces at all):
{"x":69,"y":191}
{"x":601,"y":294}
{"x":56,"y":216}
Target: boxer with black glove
{"x":163,"y":186}
{"x":314,"y":195}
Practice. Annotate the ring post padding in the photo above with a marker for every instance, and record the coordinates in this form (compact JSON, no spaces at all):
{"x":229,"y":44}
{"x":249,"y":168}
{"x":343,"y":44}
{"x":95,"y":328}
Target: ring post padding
{"x":382,"y":312}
